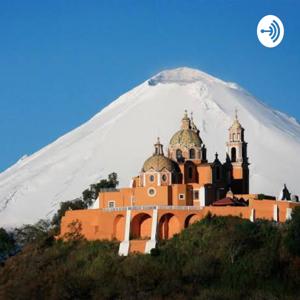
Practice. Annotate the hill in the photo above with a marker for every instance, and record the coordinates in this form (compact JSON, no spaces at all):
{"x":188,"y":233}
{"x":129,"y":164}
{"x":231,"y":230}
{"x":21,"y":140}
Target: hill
{"x":216,"y":258}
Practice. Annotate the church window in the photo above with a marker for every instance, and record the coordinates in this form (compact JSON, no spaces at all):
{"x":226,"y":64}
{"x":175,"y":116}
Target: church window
{"x":178,"y":154}
{"x":233,"y":136}
{"x":237,"y":136}
{"x":164,"y":178}
{"x":181,"y":196}
{"x":190,"y":172}
{"x":233,"y":154}
{"x":111,"y":204}
{"x":151,"y":192}
{"x":192,"y":154}
{"x":151,"y":178}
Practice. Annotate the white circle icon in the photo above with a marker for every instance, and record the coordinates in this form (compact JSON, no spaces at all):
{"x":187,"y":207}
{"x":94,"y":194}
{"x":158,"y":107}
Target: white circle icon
{"x":270,"y":31}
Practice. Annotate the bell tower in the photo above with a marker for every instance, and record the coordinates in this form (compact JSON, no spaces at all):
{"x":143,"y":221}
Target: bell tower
{"x":237,"y":152}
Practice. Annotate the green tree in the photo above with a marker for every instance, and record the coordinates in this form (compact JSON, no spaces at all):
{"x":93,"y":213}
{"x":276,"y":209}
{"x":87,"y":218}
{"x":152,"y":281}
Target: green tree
{"x":7,"y":244}
{"x":292,"y":239}
{"x":65,"y":206}
{"x":90,"y":195}
{"x":74,"y":232}
{"x":27,"y":234}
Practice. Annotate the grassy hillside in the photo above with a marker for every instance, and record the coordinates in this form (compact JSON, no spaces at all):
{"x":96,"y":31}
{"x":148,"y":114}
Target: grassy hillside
{"x":216,"y":258}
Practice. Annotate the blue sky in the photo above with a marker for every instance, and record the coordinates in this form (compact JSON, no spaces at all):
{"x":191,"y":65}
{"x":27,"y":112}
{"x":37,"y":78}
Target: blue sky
{"x":62,"y":61}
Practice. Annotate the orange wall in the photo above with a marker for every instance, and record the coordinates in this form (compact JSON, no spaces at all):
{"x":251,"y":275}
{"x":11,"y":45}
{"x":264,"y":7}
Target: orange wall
{"x":139,"y":196}
{"x":237,"y":172}
{"x":99,"y":224}
{"x":205,"y":174}
{"x":121,"y":198}
{"x":161,"y":197}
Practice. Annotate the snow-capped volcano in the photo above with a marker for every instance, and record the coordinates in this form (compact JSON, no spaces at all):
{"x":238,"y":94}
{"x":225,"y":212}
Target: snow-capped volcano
{"x":120,"y":138}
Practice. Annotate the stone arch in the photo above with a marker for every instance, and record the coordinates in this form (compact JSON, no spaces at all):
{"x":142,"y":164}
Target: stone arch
{"x":168,"y":226}
{"x":119,"y":227}
{"x":190,"y":219}
{"x":140,"y":227}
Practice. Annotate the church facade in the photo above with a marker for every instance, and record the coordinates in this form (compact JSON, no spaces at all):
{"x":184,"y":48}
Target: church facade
{"x":184,"y":176}
{"x":174,"y":190}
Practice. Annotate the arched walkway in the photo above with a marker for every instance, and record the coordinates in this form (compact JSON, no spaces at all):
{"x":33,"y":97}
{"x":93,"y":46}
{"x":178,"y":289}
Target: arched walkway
{"x":141,"y":226}
{"x":168,"y":226}
{"x":190,"y":219}
{"x":118,"y":227}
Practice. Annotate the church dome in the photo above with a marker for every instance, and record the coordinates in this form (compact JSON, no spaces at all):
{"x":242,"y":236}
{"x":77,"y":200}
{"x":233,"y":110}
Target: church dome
{"x":186,"y":137}
{"x":158,"y":163}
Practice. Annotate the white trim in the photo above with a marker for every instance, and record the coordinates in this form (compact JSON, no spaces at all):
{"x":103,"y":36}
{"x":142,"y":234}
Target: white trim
{"x":252,"y":215}
{"x":152,"y":242}
{"x":202,"y":196}
{"x":158,"y":179}
{"x":288,"y":214}
{"x":275,"y":213}
{"x":124,"y":245}
{"x":131,"y":183}
{"x":96,"y":204}
{"x":149,"y":207}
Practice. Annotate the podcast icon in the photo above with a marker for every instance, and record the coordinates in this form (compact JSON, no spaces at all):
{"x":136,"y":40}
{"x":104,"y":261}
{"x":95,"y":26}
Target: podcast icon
{"x":270,"y":31}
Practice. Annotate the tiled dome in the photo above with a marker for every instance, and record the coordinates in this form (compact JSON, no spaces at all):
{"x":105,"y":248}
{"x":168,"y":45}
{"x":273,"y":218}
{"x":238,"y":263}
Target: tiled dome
{"x":158,"y":163}
{"x":186,"y":137}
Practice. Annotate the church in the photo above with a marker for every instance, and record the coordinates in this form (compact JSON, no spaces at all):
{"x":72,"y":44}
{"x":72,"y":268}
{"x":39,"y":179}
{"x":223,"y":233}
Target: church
{"x":184,"y":176}
{"x":175,"y":189}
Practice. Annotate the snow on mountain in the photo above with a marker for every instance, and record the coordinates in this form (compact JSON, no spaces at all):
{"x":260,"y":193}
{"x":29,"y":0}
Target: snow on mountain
{"x":120,"y":137}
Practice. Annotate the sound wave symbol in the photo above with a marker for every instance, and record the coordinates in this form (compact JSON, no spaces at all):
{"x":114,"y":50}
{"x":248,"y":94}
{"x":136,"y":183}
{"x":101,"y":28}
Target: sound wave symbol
{"x":274,"y":31}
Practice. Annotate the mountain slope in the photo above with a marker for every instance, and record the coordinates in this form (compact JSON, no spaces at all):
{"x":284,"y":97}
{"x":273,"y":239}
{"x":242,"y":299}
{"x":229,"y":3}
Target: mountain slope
{"x":121,"y":137}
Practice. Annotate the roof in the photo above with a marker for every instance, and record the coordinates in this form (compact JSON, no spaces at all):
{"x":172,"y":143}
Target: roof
{"x":160,"y":162}
{"x":186,"y":137}
{"x":236,"y":124}
{"x":230,"y":202}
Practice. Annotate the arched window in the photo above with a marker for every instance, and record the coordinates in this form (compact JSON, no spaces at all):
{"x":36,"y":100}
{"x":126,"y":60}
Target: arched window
{"x":233,"y":136}
{"x":233,"y":154}
{"x":192,"y":154}
{"x":178,"y":154}
{"x":190,"y":172}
